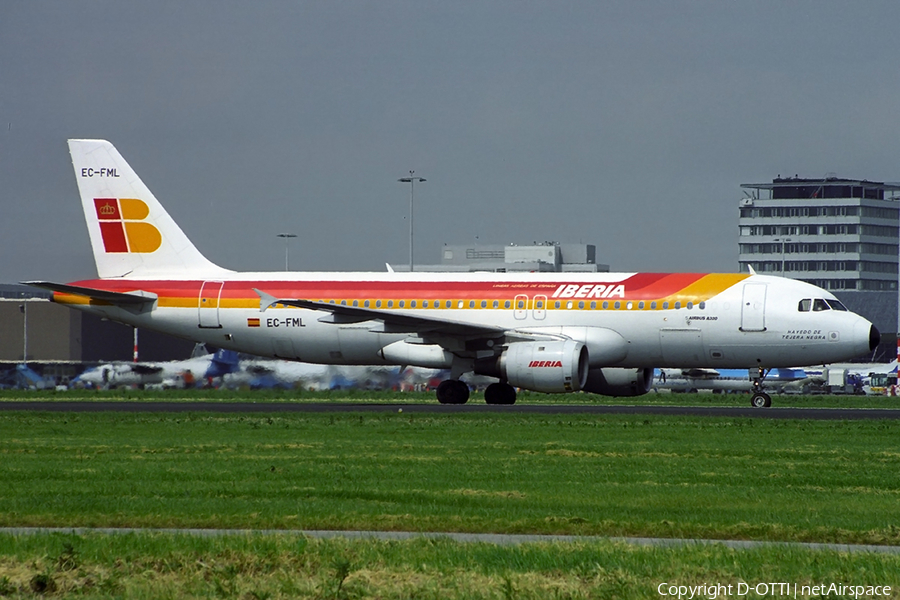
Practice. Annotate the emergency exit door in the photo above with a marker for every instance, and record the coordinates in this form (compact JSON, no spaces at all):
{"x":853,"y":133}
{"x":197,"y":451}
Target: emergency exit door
{"x":210,"y":295}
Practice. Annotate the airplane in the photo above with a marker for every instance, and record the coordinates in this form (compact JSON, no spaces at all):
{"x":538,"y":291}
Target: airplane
{"x":267,"y":372}
{"x":600,"y":333}
{"x":719,"y":380}
{"x":166,"y":374}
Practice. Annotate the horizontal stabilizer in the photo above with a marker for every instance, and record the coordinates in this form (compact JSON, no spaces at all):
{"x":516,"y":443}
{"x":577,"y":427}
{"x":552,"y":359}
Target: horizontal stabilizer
{"x":133,"y":298}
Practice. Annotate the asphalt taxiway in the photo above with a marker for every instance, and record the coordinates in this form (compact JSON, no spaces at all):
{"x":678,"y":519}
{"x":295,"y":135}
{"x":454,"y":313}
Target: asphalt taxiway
{"x":435,"y":408}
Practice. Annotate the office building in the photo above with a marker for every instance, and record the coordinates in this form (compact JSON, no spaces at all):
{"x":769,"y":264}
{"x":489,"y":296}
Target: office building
{"x":838,"y":234}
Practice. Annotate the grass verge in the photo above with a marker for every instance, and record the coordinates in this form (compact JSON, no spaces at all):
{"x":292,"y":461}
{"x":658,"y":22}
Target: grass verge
{"x":283,"y":566}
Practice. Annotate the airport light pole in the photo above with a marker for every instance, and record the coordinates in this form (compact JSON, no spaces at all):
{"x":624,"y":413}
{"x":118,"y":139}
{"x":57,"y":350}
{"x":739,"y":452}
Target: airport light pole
{"x":287,"y":238}
{"x":411,"y":180}
{"x":24,"y":308}
{"x":782,"y":240}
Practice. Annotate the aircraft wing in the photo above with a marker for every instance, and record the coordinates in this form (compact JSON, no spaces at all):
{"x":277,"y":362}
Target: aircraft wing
{"x":135,"y":298}
{"x":146,"y":369}
{"x":700,"y":373}
{"x":390,"y":322}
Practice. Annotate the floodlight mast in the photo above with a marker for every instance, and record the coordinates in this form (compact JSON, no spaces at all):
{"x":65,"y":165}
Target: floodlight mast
{"x":287,"y":237}
{"x":411,"y":180}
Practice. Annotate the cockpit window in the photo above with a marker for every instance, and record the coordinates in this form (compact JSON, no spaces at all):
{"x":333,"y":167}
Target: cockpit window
{"x":819,"y":304}
{"x":805,"y":305}
{"x":836,"y":304}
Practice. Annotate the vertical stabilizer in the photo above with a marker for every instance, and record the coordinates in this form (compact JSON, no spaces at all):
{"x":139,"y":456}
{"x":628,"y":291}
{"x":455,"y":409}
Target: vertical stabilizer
{"x":131,"y":233}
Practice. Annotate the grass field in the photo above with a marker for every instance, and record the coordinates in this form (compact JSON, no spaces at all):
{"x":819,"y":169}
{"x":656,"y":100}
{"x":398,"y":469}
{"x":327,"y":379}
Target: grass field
{"x":685,"y":477}
{"x":583,"y":474}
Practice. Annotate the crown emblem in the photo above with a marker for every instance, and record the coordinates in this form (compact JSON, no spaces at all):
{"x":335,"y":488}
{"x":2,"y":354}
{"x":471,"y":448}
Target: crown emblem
{"x":107,"y":210}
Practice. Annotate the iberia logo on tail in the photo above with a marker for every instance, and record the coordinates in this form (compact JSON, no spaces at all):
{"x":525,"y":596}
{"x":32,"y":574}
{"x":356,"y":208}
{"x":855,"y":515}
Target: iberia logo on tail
{"x":123,"y":228}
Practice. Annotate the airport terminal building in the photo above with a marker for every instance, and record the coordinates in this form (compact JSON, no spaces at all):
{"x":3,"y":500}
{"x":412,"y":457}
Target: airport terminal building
{"x":839,"y":234}
{"x":538,"y":257}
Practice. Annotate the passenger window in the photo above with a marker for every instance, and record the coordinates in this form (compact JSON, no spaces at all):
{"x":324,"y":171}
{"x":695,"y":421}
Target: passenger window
{"x":484,"y":304}
{"x":805,"y":305}
{"x":665,"y":305}
{"x":678,"y":305}
{"x":581,"y":305}
{"x":424,"y":303}
{"x":402,"y":303}
{"x":496,"y":304}
{"x":836,"y":305}
{"x":653,"y":305}
{"x":506,"y":304}
{"x":819,"y":305}
{"x":605,"y":305}
{"x":593,"y":305}
{"x":641,"y":305}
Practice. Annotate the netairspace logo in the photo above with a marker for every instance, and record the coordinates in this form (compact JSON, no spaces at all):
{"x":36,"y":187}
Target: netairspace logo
{"x":712,"y":591}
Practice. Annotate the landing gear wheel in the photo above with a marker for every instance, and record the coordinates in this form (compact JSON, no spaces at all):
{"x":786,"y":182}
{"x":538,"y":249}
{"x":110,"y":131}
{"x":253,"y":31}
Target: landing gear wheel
{"x":500,"y":393}
{"x":761,"y":400}
{"x":452,"y":391}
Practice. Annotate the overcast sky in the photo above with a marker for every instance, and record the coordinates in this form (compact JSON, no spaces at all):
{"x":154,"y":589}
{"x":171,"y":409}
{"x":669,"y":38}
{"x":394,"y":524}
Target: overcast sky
{"x":627,"y":125}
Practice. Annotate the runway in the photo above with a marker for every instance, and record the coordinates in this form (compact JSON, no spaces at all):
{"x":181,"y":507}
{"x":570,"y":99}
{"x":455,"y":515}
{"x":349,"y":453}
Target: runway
{"x":435,"y":408}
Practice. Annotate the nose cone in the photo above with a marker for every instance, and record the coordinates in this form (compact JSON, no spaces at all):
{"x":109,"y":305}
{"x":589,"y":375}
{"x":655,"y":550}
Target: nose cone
{"x":874,"y":338}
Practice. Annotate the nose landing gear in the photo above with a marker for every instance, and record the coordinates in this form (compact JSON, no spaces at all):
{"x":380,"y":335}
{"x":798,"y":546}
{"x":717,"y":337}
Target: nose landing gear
{"x":760,"y":399}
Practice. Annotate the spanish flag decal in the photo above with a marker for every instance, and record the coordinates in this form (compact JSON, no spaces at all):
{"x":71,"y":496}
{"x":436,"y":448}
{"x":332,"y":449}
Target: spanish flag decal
{"x":252,"y":322}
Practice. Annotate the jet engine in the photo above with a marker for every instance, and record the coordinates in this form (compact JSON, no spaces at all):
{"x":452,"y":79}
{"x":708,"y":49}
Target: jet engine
{"x":552,"y":367}
{"x":619,"y":382}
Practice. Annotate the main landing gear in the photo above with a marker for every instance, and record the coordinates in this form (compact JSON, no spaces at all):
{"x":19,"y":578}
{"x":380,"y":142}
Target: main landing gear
{"x":454,"y":391}
{"x":500,"y":393}
{"x":760,"y":399}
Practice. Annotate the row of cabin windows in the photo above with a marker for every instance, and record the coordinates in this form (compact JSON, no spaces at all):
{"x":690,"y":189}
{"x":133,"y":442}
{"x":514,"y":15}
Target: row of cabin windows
{"x":520,"y":304}
{"x":819,"y":304}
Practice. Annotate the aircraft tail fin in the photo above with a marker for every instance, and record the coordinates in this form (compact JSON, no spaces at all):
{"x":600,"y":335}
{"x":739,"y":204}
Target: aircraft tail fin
{"x":132,"y":235}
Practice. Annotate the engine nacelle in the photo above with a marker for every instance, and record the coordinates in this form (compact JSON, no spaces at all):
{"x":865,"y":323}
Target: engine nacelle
{"x":553,"y":367}
{"x":619,"y":382}
{"x":430,"y":356}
